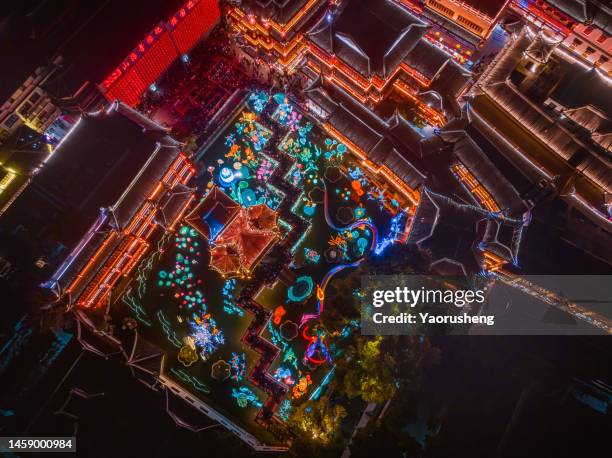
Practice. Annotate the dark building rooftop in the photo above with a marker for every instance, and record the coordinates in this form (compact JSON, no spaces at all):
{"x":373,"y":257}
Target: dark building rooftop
{"x":284,"y":12}
{"x":99,"y":159}
{"x":24,"y":150}
{"x":453,"y":234}
{"x":391,"y":143}
{"x":427,"y":59}
{"x":109,"y":164}
{"x":587,"y":157}
{"x":20,"y":155}
{"x":580,"y":87}
{"x":350,"y":35}
{"x":466,"y":150}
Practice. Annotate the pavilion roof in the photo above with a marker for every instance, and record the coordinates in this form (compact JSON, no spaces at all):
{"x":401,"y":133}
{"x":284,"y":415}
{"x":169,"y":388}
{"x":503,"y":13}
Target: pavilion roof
{"x":225,"y":259}
{"x":213,"y":213}
{"x":248,"y":241}
{"x":262,"y":217}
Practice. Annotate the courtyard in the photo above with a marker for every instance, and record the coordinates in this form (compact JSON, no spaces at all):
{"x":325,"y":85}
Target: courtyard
{"x":206,"y":300}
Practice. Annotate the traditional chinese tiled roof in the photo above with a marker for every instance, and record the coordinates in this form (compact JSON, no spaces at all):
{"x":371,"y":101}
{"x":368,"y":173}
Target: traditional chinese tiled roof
{"x":349,"y":35}
{"x":94,"y":182}
{"x":243,"y":238}
{"x":453,"y":234}
{"x":212,"y":214}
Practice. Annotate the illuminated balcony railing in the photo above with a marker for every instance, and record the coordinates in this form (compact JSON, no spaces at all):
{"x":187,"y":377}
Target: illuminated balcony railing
{"x":363,"y":89}
{"x":475,"y":187}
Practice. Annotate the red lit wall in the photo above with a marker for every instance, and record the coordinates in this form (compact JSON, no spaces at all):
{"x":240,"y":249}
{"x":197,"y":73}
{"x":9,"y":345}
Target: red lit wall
{"x":157,"y":59}
{"x":154,"y":54}
{"x":141,"y":67}
{"x":192,"y":21}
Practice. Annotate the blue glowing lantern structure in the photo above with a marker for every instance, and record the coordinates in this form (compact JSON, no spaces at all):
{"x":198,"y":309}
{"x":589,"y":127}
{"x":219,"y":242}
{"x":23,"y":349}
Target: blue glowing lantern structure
{"x":226,"y":176}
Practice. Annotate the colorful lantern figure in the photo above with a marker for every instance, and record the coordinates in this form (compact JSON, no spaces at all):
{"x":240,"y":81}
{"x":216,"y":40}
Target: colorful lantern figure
{"x":317,"y":352}
{"x":301,"y":387}
{"x":250,"y":157}
{"x":338,"y":241}
{"x":283,"y":374}
{"x":355,"y":173}
{"x":279,"y":313}
{"x":362,"y":244}
{"x":293,"y":120}
{"x":301,"y":289}
{"x":206,"y":335}
{"x":303,"y":133}
{"x":230,"y":140}
{"x":296,"y":176}
{"x":279,"y":98}
{"x":181,"y":278}
{"x":290,"y":358}
{"x":329,"y":143}
{"x":357,"y":187}
{"x":237,"y":366}
{"x":226,"y":176}
{"x":312,"y":256}
{"x":229,"y":306}
{"x":234,"y":152}
{"x":285,"y":410}
{"x":259,"y":101}
{"x":309,"y":209}
{"x":249,"y":117}
{"x":245,"y":397}
{"x":187,"y":355}
{"x":359,"y":212}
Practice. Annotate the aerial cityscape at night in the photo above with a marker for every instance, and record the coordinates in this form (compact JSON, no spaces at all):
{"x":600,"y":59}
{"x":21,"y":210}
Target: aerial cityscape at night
{"x":306,"y":228}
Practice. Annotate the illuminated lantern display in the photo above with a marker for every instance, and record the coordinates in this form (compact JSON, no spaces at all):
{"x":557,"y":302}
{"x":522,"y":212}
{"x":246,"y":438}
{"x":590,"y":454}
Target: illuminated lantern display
{"x":226,"y":176}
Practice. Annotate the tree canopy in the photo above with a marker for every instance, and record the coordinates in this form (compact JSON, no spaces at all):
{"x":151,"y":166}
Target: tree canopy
{"x":368,"y":371}
{"x":316,"y":425}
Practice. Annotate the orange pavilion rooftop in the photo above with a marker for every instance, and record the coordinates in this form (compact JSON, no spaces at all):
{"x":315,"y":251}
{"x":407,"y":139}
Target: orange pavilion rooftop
{"x":245,"y":240}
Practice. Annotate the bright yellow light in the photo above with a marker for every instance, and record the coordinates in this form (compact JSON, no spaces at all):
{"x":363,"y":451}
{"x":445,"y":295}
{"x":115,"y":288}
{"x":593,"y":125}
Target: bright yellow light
{"x":7,"y":179}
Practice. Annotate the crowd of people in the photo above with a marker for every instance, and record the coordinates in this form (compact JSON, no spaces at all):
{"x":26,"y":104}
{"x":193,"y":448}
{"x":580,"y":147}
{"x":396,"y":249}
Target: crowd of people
{"x":195,"y":89}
